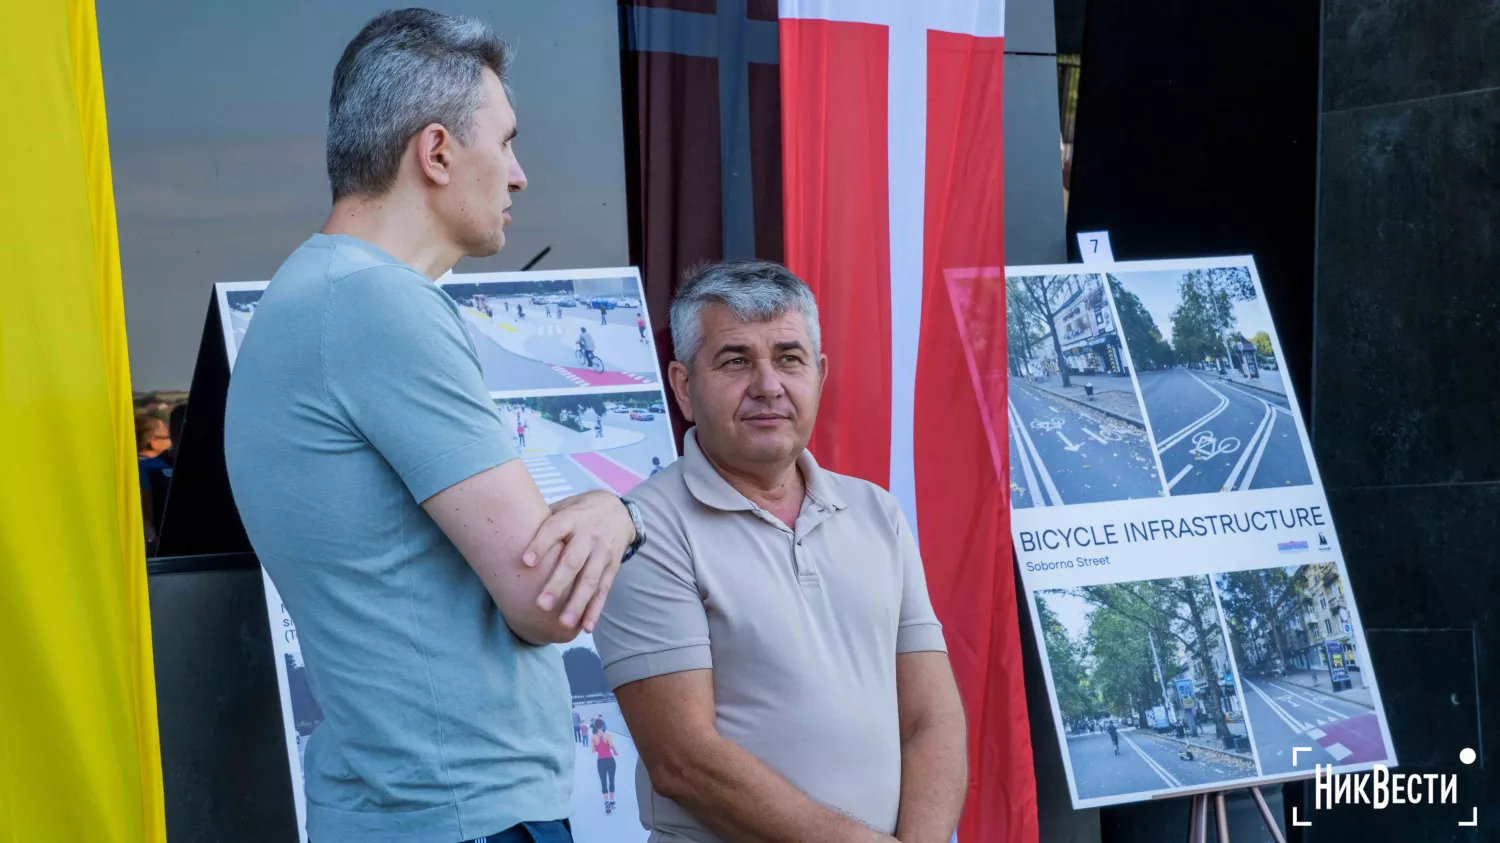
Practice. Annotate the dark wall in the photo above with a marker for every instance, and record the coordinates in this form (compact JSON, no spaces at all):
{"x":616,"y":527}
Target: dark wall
{"x":1405,"y":403}
{"x":1197,"y":136}
{"x":1197,"y":130}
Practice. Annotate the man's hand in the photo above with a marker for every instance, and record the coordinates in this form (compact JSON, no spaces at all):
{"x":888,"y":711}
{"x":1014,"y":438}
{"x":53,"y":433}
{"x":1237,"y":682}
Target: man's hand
{"x":590,"y":533}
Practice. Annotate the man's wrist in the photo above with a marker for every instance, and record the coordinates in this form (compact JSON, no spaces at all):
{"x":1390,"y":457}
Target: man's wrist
{"x":639,"y":523}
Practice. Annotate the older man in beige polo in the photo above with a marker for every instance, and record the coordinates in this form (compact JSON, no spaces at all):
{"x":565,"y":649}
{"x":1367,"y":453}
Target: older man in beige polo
{"x":772,"y":646}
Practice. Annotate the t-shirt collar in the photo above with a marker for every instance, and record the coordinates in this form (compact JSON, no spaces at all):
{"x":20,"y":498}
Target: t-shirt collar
{"x":711,"y":489}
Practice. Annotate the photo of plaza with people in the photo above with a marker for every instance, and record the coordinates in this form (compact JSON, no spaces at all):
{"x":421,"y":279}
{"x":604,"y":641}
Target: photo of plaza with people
{"x":546,"y":334}
{"x":575,"y":442}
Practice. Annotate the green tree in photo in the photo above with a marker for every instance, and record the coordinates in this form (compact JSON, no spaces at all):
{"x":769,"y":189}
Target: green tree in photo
{"x":1193,"y":338}
{"x":1180,"y":610}
{"x":1255,"y":602}
{"x":1075,"y":698}
{"x":1213,"y":293}
{"x":1147,"y":348}
{"x":1263,"y":347}
{"x":1124,"y":676}
{"x":1025,"y":326}
{"x":1048,"y":293}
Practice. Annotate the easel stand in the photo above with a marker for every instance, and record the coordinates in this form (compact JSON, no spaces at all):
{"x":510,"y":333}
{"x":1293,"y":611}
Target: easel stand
{"x":1198,"y":817}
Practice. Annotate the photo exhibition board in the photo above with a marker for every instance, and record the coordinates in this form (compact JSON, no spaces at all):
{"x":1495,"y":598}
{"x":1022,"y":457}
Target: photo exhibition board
{"x":1186,"y":583}
{"x":586,"y":415}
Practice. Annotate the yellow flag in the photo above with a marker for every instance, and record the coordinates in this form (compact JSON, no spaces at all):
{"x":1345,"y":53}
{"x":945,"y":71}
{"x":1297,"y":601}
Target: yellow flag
{"x":79,"y":757}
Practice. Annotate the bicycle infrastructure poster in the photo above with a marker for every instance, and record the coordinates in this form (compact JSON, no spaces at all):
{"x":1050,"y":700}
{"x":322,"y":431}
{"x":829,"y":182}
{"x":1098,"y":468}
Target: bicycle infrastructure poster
{"x":1185,"y":580}
{"x":580,"y":421}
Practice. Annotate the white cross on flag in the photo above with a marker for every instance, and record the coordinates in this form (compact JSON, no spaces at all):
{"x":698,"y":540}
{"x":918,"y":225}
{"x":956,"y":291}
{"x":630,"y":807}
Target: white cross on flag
{"x":893,"y":180}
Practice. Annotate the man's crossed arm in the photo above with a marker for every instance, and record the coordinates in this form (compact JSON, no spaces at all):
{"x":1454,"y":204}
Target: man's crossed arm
{"x":547,"y":569}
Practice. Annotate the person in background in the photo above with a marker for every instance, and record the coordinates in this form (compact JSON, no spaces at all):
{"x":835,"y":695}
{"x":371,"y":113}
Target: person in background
{"x":773,"y":649}
{"x":604,"y":750}
{"x":655,"y":466}
{"x":577,"y":726}
{"x":382,"y":491}
{"x":640,"y":325}
{"x":151,"y":441}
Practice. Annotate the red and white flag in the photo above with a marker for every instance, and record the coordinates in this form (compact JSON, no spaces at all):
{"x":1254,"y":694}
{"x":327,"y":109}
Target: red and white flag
{"x":893,"y":179}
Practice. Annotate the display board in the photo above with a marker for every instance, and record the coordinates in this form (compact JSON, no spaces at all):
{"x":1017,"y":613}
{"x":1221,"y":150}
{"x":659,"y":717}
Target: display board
{"x":1186,"y":582}
{"x":582,"y":422}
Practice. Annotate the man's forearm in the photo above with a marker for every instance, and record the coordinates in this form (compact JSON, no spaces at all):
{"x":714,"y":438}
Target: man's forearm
{"x":934,"y":777}
{"x":740,"y":798}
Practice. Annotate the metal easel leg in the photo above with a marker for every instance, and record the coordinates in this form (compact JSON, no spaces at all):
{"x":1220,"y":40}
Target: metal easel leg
{"x":1193,"y":819}
{"x":1265,"y":814}
{"x":1222,"y":817}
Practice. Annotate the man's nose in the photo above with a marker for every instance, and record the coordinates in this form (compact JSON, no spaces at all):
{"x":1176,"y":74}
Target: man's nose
{"x":766,"y":381}
{"x":517,"y":178}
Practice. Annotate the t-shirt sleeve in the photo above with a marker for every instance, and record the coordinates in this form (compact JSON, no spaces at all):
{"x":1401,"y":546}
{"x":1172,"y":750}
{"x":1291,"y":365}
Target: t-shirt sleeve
{"x":654,"y":622}
{"x":918,"y":630}
{"x":399,"y":367}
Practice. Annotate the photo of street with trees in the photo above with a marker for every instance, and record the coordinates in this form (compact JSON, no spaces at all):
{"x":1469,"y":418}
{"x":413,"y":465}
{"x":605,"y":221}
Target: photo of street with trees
{"x":1078,"y":432}
{"x":1214,"y":395}
{"x":1292,"y":630}
{"x":1145,"y":686}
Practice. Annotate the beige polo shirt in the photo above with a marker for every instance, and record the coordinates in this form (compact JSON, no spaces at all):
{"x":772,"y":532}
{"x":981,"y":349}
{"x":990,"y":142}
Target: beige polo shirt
{"x":801,"y":627}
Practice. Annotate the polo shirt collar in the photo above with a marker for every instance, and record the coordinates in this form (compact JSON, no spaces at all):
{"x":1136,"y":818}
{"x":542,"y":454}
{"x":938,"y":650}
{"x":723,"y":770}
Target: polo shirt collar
{"x":711,"y":489}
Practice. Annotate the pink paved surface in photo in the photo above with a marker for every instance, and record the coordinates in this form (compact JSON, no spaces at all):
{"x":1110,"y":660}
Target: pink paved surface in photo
{"x":617,"y":477}
{"x":593,"y":378}
{"x":1359,"y":734}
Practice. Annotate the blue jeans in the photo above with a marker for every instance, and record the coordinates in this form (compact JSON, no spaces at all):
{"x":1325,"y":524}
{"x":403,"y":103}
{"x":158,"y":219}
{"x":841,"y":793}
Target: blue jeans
{"x":553,"y":831}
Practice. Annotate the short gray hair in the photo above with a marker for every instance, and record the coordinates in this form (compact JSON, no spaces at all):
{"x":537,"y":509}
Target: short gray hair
{"x":754,"y":291}
{"x":405,"y":70}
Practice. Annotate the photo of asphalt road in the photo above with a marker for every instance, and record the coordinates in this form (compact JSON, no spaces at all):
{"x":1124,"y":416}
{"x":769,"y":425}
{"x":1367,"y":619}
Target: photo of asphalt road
{"x":1217,"y":436}
{"x":1285,"y":715}
{"x":1202,"y":345}
{"x":1146,"y":762}
{"x":1064,"y":452}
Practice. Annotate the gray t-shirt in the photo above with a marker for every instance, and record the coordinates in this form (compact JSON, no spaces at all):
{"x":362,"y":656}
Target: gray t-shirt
{"x":800,"y":625}
{"x":356,"y":396}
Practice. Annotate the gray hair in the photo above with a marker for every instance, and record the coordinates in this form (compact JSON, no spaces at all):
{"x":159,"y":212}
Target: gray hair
{"x":754,"y":291}
{"x":405,"y":70}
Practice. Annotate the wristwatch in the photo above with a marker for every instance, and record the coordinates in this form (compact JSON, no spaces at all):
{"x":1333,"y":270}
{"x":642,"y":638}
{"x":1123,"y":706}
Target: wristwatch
{"x":640,"y":529}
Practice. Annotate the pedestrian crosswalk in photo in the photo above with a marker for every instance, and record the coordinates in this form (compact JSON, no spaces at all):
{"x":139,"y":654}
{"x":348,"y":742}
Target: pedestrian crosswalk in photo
{"x":549,"y":480}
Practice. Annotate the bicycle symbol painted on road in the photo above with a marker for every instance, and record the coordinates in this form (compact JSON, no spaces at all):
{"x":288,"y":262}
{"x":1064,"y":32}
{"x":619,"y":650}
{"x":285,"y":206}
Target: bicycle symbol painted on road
{"x":1206,"y":447}
{"x":1047,"y":424}
{"x":1115,"y":431}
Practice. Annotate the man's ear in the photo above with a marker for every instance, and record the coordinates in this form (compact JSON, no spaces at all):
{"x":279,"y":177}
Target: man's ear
{"x":677,"y":373}
{"x":433,"y":148}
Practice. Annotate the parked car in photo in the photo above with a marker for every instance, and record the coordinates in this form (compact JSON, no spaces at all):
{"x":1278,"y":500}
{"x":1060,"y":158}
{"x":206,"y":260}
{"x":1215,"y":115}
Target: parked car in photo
{"x":622,"y":410}
{"x":641,"y":415}
{"x":657,"y":408}
{"x":567,"y":302}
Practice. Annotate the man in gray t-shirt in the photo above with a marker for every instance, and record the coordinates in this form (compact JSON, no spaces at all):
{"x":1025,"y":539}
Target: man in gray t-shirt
{"x":773,"y":649}
{"x":380,"y":488}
